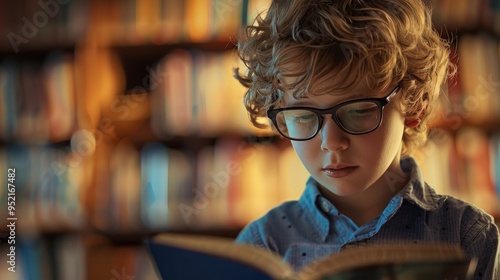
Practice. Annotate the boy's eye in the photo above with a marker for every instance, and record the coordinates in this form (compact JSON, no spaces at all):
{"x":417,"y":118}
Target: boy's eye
{"x":363,"y":111}
{"x":360,"y":110}
{"x":304,"y":118}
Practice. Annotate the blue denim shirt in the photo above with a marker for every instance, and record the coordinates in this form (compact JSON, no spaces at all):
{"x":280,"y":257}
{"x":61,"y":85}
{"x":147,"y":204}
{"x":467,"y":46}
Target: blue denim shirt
{"x":311,"y":228}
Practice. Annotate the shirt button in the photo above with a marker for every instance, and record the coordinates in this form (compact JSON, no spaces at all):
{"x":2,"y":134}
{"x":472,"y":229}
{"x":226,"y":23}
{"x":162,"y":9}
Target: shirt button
{"x":325,"y":206}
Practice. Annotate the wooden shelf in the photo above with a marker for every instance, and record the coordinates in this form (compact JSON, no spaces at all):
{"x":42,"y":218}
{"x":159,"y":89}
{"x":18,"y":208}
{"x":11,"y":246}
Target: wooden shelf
{"x":35,"y":50}
{"x":137,"y":238}
{"x":141,"y":50}
{"x":455,"y":123}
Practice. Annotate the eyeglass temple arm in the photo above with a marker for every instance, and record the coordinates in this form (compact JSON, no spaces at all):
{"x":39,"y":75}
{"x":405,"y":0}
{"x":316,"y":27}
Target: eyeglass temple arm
{"x":391,"y":96}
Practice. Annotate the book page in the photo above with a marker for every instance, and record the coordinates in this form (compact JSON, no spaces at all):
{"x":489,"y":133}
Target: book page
{"x":379,"y":255}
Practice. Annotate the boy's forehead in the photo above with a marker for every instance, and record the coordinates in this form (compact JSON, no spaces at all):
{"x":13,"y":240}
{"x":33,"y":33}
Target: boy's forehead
{"x":331,"y":84}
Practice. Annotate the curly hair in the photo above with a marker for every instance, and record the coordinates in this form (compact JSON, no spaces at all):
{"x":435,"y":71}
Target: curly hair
{"x":378,"y":42}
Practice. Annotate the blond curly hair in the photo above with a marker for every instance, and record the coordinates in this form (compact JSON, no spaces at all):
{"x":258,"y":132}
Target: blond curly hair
{"x":379,"y":42}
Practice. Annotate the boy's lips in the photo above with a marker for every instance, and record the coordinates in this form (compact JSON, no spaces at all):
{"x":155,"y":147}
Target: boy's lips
{"x":338,"y":171}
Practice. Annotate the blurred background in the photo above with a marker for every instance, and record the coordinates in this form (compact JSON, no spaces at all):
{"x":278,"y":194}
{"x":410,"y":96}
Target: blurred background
{"x":121,"y":119}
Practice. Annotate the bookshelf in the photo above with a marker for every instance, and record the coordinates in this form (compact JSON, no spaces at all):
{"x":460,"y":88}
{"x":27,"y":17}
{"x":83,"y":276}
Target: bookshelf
{"x":462,"y":155}
{"x":132,"y":96}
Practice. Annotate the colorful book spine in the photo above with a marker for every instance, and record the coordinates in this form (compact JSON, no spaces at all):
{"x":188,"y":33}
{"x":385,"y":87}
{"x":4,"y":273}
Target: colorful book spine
{"x":9,"y":85}
{"x":155,"y":174}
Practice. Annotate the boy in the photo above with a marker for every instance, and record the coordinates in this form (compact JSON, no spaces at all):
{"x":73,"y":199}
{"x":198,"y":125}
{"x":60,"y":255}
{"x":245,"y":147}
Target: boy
{"x":352,"y":84}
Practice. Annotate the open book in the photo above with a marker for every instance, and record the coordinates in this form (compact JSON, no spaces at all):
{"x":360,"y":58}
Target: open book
{"x":189,"y":257}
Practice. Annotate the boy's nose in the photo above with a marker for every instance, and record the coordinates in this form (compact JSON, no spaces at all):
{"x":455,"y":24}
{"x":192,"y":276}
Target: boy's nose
{"x":333,"y":138}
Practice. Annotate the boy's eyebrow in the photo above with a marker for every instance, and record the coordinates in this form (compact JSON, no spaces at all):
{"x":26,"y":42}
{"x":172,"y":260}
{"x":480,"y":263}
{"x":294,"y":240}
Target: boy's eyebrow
{"x":306,"y":101}
{"x":290,"y":101}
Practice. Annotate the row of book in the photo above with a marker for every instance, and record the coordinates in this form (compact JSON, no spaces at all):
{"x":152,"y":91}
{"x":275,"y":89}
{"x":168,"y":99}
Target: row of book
{"x":126,"y":189}
{"x":199,"y":95}
{"x":76,"y":256}
{"x":166,"y":21}
{"x":190,"y":92}
{"x":466,"y":15}
{"x":47,"y":193}
{"x":474,"y":92}
{"x":29,"y":25}
{"x":465,"y":165}
{"x":36,"y":257}
{"x":37,"y":98}
{"x":123,"y":188}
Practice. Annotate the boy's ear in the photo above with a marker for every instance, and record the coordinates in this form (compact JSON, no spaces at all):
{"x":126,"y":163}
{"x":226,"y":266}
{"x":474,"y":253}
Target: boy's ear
{"x":412,"y":122}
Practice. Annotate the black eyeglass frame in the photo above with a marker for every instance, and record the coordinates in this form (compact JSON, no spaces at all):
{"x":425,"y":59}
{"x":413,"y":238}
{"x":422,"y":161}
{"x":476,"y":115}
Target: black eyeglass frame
{"x":381,"y":103}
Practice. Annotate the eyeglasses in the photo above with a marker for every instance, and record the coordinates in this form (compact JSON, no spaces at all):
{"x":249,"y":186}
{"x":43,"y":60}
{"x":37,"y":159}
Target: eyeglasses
{"x":355,"y":117}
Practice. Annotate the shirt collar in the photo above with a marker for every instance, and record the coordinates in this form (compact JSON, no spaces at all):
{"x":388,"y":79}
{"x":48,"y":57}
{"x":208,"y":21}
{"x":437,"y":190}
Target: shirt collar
{"x":417,"y":191}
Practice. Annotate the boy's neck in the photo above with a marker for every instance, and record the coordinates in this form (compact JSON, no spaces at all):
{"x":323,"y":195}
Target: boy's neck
{"x":368,"y":205}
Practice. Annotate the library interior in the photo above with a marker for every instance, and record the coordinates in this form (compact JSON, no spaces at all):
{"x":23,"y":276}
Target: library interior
{"x":121,"y":119}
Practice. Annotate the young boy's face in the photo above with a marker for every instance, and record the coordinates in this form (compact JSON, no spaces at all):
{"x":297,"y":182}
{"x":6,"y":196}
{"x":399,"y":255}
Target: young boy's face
{"x":345,"y":164}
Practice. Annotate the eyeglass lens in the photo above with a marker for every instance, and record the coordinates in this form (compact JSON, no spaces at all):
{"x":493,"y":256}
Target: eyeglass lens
{"x":357,"y":118}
